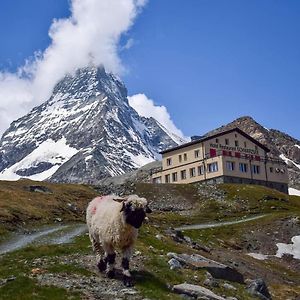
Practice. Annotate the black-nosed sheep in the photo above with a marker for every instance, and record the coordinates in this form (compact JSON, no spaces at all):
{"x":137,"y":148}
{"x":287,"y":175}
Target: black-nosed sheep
{"x":113,"y":223}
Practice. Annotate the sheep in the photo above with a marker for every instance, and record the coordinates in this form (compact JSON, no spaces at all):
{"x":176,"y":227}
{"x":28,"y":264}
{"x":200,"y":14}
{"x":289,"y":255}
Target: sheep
{"x":113,"y":223}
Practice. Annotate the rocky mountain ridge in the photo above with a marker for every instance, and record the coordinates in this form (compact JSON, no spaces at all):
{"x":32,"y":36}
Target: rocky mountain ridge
{"x":85,"y":132}
{"x":280,"y":144}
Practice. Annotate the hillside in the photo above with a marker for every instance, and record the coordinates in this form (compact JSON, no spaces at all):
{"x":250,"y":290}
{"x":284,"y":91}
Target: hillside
{"x":69,"y":272}
{"x":281,"y":144}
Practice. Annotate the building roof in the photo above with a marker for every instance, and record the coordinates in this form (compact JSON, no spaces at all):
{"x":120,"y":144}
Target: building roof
{"x":217,"y":135}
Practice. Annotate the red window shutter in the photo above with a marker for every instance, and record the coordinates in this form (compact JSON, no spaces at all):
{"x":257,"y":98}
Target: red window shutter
{"x":213,"y":152}
{"x":229,"y":153}
{"x":224,"y":152}
{"x":237,"y":154}
{"x":257,"y":157}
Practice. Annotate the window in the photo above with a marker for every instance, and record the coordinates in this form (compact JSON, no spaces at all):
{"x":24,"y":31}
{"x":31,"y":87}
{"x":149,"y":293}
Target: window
{"x":236,"y":143}
{"x":243,"y":167}
{"x":183,"y":174}
{"x":256,"y":148}
{"x":184,"y":156}
{"x":230,"y":165}
{"x":197,"y":153}
{"x":169,"y":161}
{"x":226,"y":141}
{"x":167,"y":178}
{"x":157,"y":180}
{"x":235,"y":135}
{"x":200,"y":170}
{"x":271,"y":169}
{"x":255,"y":169}
{"x":192,"y":172}
{"x":217,"y":141}
{"x":174,"y":177}
{"x":180,"y":158}
{"x":245,"y":144}
{"x":213,"y":167}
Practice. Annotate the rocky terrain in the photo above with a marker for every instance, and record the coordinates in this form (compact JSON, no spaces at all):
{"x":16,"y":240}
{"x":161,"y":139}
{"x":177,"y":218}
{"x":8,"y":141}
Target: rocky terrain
{"x":237,"y":261}
{"x":281,"y":144}
{"x":85,"y":132}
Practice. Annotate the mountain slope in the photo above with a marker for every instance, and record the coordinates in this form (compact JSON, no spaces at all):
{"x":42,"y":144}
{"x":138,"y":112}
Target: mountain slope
{"x":281,"y":144}
{"x":86,"y":131}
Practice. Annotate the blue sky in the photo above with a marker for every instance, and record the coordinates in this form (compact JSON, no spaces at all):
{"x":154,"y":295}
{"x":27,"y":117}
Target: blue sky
{"x":207,"y":61}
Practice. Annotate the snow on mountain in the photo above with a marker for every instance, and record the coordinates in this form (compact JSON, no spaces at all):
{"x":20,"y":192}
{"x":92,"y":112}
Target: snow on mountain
{"x":294,"y":192}
{"x":86,"y":131}
{"x":289,"y":161}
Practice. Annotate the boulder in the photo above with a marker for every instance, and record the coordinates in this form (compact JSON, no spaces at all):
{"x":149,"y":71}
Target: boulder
{"x":259,"y":289}
{"x":216,"y":269}
{"x":196,"y":291}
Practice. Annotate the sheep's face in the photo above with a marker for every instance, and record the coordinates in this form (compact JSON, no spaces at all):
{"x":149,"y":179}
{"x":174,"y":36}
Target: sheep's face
{"x":135,"y":210}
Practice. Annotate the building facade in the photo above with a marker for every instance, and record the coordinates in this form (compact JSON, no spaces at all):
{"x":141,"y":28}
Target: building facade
{"x":228,"y":157}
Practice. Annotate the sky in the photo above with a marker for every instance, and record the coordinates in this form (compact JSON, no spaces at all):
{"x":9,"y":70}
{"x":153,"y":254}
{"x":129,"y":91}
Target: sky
{"x":203,"y":63}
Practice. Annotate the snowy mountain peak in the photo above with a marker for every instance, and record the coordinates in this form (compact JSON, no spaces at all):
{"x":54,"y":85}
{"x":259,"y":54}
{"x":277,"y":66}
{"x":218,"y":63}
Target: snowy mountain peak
{"x":84,"y":132}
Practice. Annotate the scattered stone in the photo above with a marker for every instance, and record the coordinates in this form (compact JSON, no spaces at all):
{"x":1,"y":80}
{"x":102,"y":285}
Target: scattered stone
{"x":58,"y":219}
{"x":159,"y":237}
{"x":8,"y":279}
{"x":210,"y":281}
{"x":36,"y":271}
{"x":228,"y":286}
{"x":174,"y":264}
{"x":196,"y":291}
{"x":259,"y":288}
{"x":39,"y":189}
{"x":216,"y":269}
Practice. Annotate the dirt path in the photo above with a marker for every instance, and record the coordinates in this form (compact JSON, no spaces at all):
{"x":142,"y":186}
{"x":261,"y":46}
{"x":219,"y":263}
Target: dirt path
{"x":219,"y":224}
{"x":54,"y":234}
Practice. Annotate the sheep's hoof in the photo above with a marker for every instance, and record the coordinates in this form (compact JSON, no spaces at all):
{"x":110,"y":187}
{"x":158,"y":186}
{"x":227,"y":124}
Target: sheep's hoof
{"x":128,"y":281}
{"x":101,"y":265}
{"x":111,"y":274}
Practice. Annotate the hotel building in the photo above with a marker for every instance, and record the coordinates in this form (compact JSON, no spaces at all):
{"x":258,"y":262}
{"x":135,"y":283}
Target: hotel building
{"x":231,"y":156}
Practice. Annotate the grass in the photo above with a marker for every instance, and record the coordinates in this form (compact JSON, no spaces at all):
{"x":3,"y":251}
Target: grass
{"x":153,"y":278}
{"x":24,"y":288}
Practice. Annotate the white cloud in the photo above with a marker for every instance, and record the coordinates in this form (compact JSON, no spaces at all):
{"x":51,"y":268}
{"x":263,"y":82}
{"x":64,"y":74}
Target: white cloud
{"x":90,"y":36}
{"x":145,"y":107}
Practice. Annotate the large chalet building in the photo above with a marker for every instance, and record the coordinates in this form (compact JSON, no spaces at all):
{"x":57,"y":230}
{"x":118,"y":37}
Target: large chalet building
{"x":231,"y":156}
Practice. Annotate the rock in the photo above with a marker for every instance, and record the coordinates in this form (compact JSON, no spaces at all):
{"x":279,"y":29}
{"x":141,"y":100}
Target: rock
{"x":259,"y":288}
{"x":210,"y":281}
{"x":216,"y":269}
{"x":159,"y":237}
{"x":39,"y":189}
{"x":196,"y":291}
{"x":228,"y":286}
{"x":174,"y":264}
{"x":58,"y":219}
{"x":36,"y":271}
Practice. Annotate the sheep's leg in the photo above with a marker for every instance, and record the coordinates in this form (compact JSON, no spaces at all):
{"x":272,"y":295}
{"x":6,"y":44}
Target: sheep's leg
{"x":102,"y":262}
{"x":110,"y":256}
{"x":127,"y":278}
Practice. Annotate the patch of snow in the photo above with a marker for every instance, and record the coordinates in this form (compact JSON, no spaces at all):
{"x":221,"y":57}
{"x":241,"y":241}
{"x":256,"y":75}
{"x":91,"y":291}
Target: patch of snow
{"x":297,"y":146}
{"x":294,"y":192}
{"x":49,"y":151}
{"x":258,"y":256}
{"x":292,"y":249}
{"x":289,"y":161}
{"x":140,"y":159}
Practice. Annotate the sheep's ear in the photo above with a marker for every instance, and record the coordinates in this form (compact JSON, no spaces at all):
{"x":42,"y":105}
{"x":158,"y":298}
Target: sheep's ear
{"x":148,"y":210}
{"x":118,"y":199}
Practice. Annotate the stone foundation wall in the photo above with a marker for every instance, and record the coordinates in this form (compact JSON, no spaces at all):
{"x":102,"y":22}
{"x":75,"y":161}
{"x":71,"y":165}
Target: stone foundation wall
{"x":282,"y":187}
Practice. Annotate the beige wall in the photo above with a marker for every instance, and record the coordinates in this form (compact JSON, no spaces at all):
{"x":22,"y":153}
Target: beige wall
{"x":219,"y":144}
